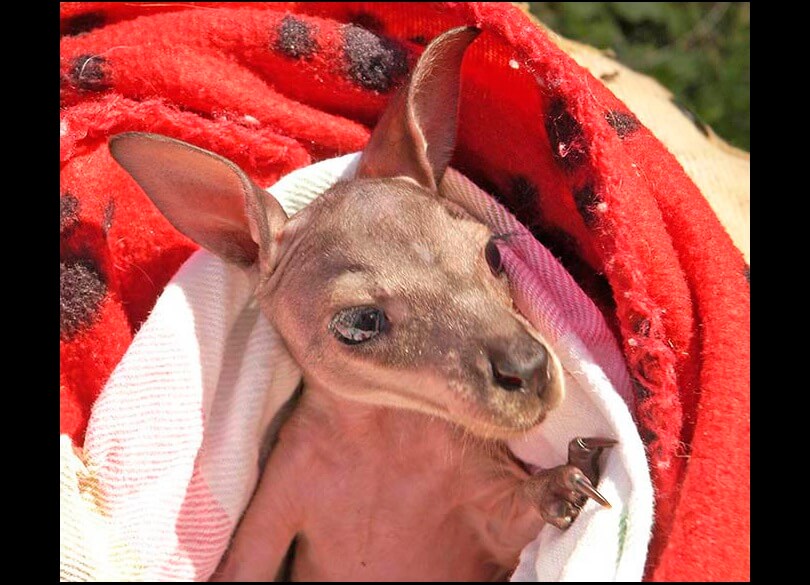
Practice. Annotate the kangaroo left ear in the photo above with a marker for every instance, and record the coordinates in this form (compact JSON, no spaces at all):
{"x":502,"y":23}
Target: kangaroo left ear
{"x":416,"y":134}
{"x":205,"y":196}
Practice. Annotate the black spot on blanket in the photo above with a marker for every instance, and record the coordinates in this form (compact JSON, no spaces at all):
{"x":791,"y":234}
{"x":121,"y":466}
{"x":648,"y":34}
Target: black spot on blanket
{"x":640,"y":390}
{"x":623,"y":123}
{"x":640,"y":324}
{"x":88,"y":73}
{"x":524,"y":199}
{"x":296,"y":38}
{"x":647,"y":436}
{"x":82,"y":288}
{"x":747,"y":273}
{"x":373,"y":62}
{"x":82,"y":23}
{"x":68,"y":213}
{"x":586,"y":201}
{"x":419,"y":40}
{"x":565,"y":136}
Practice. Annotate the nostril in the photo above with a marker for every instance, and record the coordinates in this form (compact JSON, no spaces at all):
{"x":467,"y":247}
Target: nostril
{"x":505,"y":379}
{"x":527,"y":375}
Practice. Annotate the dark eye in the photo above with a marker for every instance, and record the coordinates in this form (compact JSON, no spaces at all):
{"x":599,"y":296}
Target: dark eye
{"x":358,"y":324}
{"x":493,"y":256}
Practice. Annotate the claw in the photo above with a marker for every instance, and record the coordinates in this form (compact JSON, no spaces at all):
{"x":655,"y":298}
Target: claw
{"x":585,"y":453}
{"x":585,"y":487}
{"x":596,"y":442}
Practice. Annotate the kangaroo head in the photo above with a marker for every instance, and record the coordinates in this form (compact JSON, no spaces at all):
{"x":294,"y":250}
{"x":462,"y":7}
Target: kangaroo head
{"x":383,"y":291}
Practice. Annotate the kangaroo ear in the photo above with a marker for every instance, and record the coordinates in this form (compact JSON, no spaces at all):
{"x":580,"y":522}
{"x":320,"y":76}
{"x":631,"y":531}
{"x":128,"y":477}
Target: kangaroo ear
{"x":416,"y":134}
{"x":205,"y":196}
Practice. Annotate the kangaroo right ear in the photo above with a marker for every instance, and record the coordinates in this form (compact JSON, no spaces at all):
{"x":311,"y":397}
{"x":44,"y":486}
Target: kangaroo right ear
{"x":205,"y":196}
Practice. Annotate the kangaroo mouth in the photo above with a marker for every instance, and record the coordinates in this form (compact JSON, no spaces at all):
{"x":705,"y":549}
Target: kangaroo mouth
{"x":507,"y":421}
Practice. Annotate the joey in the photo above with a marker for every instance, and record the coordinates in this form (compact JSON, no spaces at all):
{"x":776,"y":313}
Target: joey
{"x":416,"y":366}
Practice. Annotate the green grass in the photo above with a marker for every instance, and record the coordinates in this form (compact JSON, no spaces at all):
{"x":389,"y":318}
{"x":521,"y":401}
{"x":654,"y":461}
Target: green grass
{"x":699,"y":50}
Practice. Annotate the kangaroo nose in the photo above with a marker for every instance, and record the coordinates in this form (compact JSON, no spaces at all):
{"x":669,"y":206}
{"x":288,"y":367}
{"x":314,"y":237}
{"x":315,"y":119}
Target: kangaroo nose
{"x":525,"y":374}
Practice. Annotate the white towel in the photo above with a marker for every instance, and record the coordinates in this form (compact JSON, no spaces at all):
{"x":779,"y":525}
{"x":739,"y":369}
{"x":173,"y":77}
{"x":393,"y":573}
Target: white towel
{"x":170,"y":456}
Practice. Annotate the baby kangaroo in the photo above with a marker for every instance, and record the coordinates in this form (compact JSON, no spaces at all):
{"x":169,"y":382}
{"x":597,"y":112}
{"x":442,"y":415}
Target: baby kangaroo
{"x":416,"y":367}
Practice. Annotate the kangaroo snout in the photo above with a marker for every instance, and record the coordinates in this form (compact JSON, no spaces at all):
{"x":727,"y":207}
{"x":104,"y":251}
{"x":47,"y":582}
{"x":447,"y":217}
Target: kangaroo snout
{"x":527,"y":373}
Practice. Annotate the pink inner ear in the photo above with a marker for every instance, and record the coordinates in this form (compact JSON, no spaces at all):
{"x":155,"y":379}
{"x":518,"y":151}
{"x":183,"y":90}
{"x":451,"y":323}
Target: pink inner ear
{"x":397,"y":147}
{"x":416,"y":134}
{"x":435,"y":90}
{"x":202,"y":194}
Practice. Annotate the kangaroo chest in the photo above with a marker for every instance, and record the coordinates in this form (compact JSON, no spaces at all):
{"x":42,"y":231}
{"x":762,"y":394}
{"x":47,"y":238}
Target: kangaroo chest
{"x":402,"y":495}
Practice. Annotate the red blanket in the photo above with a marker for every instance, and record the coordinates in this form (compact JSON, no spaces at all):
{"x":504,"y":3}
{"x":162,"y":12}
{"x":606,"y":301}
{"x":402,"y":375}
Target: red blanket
{"x":276,"y":86}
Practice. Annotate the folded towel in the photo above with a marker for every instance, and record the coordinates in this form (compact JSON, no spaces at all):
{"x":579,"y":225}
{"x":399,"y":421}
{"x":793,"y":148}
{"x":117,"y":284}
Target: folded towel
{"x":173,"y":443}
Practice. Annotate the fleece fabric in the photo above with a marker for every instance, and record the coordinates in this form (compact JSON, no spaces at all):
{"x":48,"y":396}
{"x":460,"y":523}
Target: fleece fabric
{"x":276,"y":86}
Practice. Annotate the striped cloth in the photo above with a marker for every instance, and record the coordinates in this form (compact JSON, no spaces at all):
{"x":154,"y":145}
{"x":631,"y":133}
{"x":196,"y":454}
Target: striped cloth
{"x":171,"y":453}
